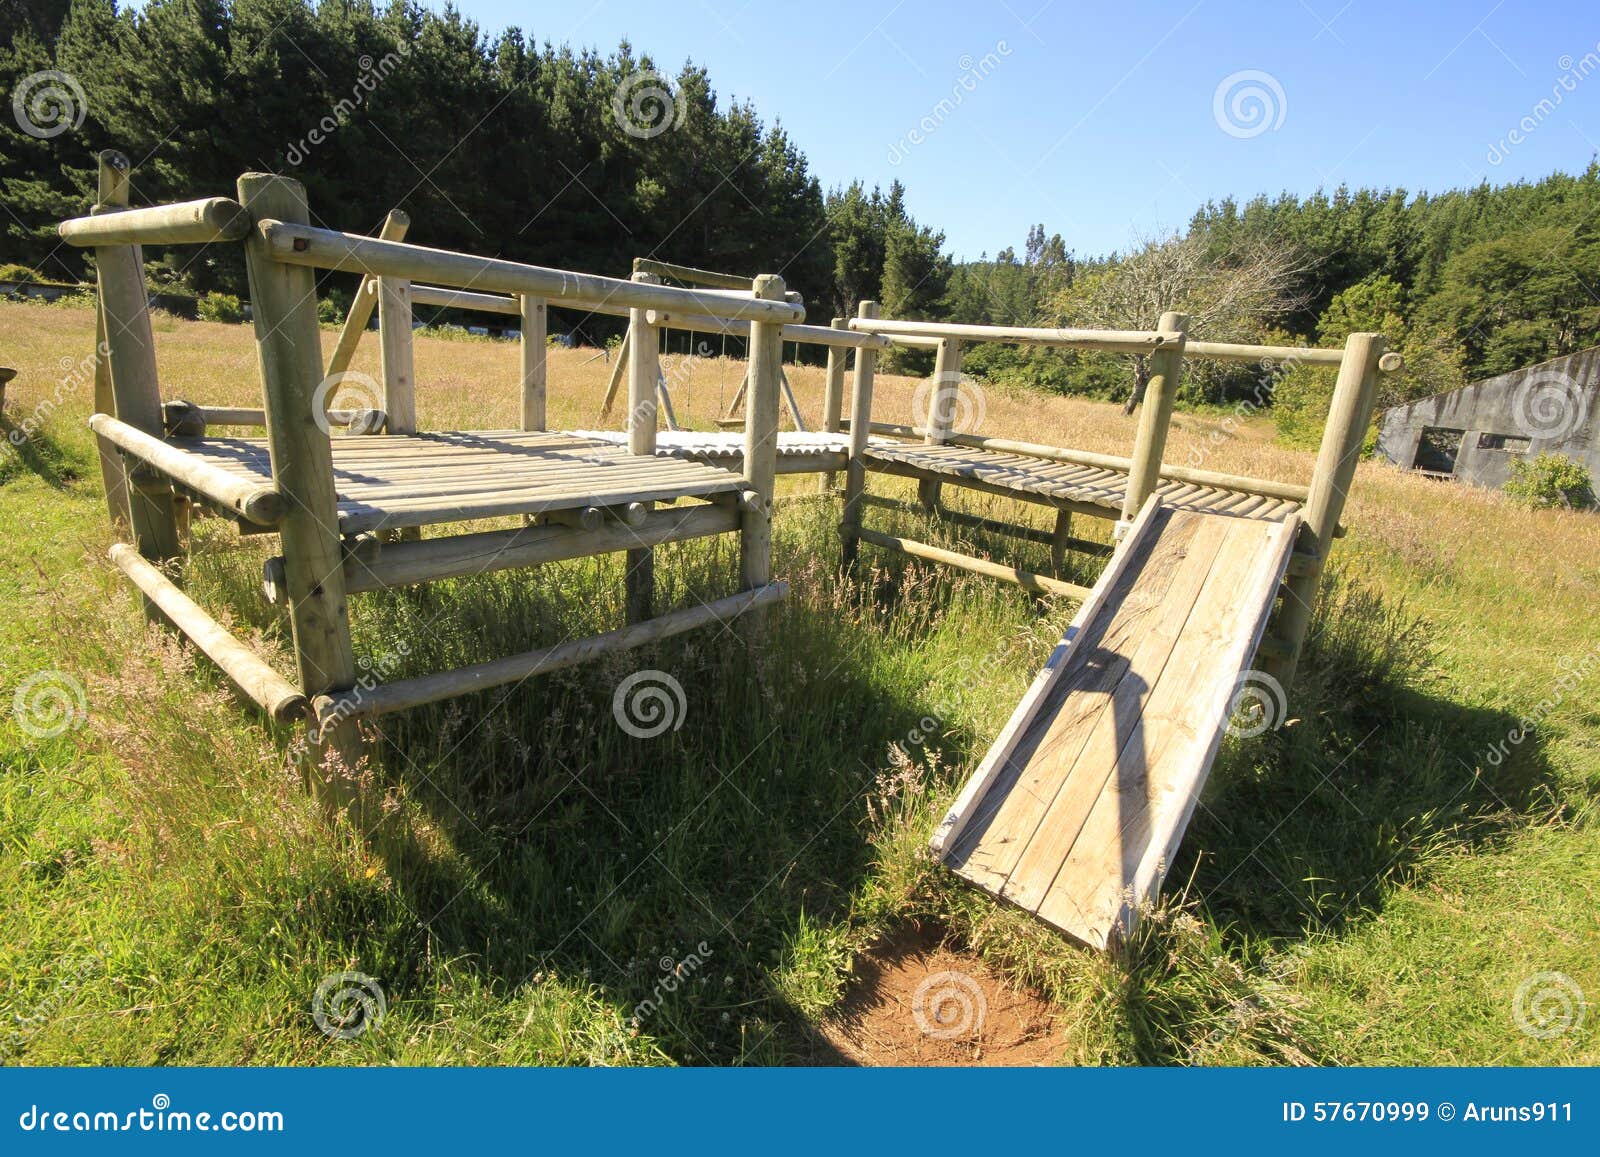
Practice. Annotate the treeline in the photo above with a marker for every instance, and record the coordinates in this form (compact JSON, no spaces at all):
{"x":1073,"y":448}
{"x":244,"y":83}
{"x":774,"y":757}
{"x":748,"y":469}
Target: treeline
{"x":500,"y":145}
{"x":492,"y":144}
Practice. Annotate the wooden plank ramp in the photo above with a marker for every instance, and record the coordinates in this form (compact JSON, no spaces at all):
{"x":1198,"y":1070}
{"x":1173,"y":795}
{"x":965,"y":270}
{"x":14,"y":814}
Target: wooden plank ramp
{"x":1078,"y":808}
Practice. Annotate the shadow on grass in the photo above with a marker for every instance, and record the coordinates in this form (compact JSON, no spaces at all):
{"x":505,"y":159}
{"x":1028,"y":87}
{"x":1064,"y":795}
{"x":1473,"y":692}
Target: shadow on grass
{"x":674,"y":847}
{"x":35,"y":452}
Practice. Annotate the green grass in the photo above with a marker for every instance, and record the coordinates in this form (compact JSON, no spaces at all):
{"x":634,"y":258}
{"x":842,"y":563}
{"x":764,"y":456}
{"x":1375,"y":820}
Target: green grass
{"x":1361,"y":887}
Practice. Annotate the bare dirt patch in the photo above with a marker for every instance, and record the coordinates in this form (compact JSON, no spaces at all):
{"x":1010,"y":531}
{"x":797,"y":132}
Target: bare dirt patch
{"x":917,"y":1002}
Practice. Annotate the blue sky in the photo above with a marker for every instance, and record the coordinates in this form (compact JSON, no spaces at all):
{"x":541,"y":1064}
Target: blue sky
{"x":1100,"y":120}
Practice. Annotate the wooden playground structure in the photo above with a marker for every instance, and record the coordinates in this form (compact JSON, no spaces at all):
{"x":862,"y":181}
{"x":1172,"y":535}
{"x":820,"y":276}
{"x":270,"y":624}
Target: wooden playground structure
{"x":1080,"y":803}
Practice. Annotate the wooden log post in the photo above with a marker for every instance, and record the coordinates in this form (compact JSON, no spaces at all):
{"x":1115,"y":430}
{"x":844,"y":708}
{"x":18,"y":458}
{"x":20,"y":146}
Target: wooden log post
{"x":534,"y":350}
{"x":1349,"y":414}
{"x":855,"y":476}
{"x":833,"y":395}
{"x":398,"y":357}
{"x":289,"y":355}
{"x":643,"y":371}
{"x":762,"y":404}
{"x":112,"y":194}
{"x":360,"y":315}
{"x":1155,"y":419}
{"x":1060,"y":540}
{"x":941,"y":410}
{"x":135,"y":388}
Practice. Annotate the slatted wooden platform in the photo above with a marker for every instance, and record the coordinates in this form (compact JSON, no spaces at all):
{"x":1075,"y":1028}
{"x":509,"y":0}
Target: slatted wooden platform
{"x":1093,"y":489}
{"x":798,"y":453}
{"x":391,"y":481}
{"x":1082,"y":801}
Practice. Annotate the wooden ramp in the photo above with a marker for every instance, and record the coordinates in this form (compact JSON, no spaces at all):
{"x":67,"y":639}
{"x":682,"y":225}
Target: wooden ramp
{"x":1080,"y":804}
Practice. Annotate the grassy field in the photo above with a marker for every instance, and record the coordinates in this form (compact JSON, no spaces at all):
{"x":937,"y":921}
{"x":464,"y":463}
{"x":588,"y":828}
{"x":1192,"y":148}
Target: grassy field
{"x":1373,"y":884}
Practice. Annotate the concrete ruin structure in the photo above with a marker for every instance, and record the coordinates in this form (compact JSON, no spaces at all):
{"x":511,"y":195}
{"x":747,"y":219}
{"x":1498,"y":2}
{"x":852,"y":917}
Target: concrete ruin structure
{"x":1475,"y":433}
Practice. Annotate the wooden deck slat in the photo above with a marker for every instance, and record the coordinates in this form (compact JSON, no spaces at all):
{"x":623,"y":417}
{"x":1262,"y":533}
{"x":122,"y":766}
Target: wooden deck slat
{"x":1094,"y":486}
{"x":1095,"y":793}
{"x":387,"y":481}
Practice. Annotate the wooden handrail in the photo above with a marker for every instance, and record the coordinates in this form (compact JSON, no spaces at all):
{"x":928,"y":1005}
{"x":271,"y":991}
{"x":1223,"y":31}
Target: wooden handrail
{"x":186,"y":223}
{"x":307,"y":245}
{"x":253,"y":502}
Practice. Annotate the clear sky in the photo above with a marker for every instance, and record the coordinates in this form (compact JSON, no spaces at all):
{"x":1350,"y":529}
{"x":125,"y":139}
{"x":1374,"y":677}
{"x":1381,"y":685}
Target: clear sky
{"x":1103,"y":120}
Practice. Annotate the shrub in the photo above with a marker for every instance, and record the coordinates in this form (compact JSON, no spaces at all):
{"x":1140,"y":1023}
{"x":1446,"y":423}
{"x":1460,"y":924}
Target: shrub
{"x":333,"y":309}
{"x":220,"y":307}
{"x":13,"y":272}
{"x":1549,"y":480}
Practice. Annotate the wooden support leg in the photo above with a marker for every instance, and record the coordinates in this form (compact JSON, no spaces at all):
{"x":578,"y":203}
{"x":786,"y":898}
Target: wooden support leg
{"x":855,"y":475}
{"x":618,"y":373}
{"x":1060,"y":539}
{"x":1349,"y":414}
{"x":290,"y":357}
{"x":113,"y":194}
{"x":644,"y":376}
{"x":833,"y":398}
{"x":941,"y":412}
{"x":639,"y":584}
{"x":761,"y":447}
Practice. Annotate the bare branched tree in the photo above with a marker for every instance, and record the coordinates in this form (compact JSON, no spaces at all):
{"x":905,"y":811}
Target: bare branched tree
{"x":1234,"y":295}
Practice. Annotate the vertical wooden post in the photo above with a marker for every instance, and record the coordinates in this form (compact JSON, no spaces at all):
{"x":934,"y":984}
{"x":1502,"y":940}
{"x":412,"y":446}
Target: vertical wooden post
{"x":761,"y":439}
{"x":941,"y":411}
{"x":534,"y":350}
{"x":113,"y":194}
{"x":290,"y":359}
{"x":833,"y":395}
{"x":355,"y":322}
{"x":1155,"y":419}
{"x":855,"y":477}
{"x":644,"y":368}
{"x":398,"y":357}
{"x":135,"y":387}
{"x":1058,"y":540}
{"x":1349,"y":414}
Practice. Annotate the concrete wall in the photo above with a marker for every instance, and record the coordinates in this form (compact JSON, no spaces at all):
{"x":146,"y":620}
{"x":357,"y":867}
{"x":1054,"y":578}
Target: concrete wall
{"x":1555,"y":406}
